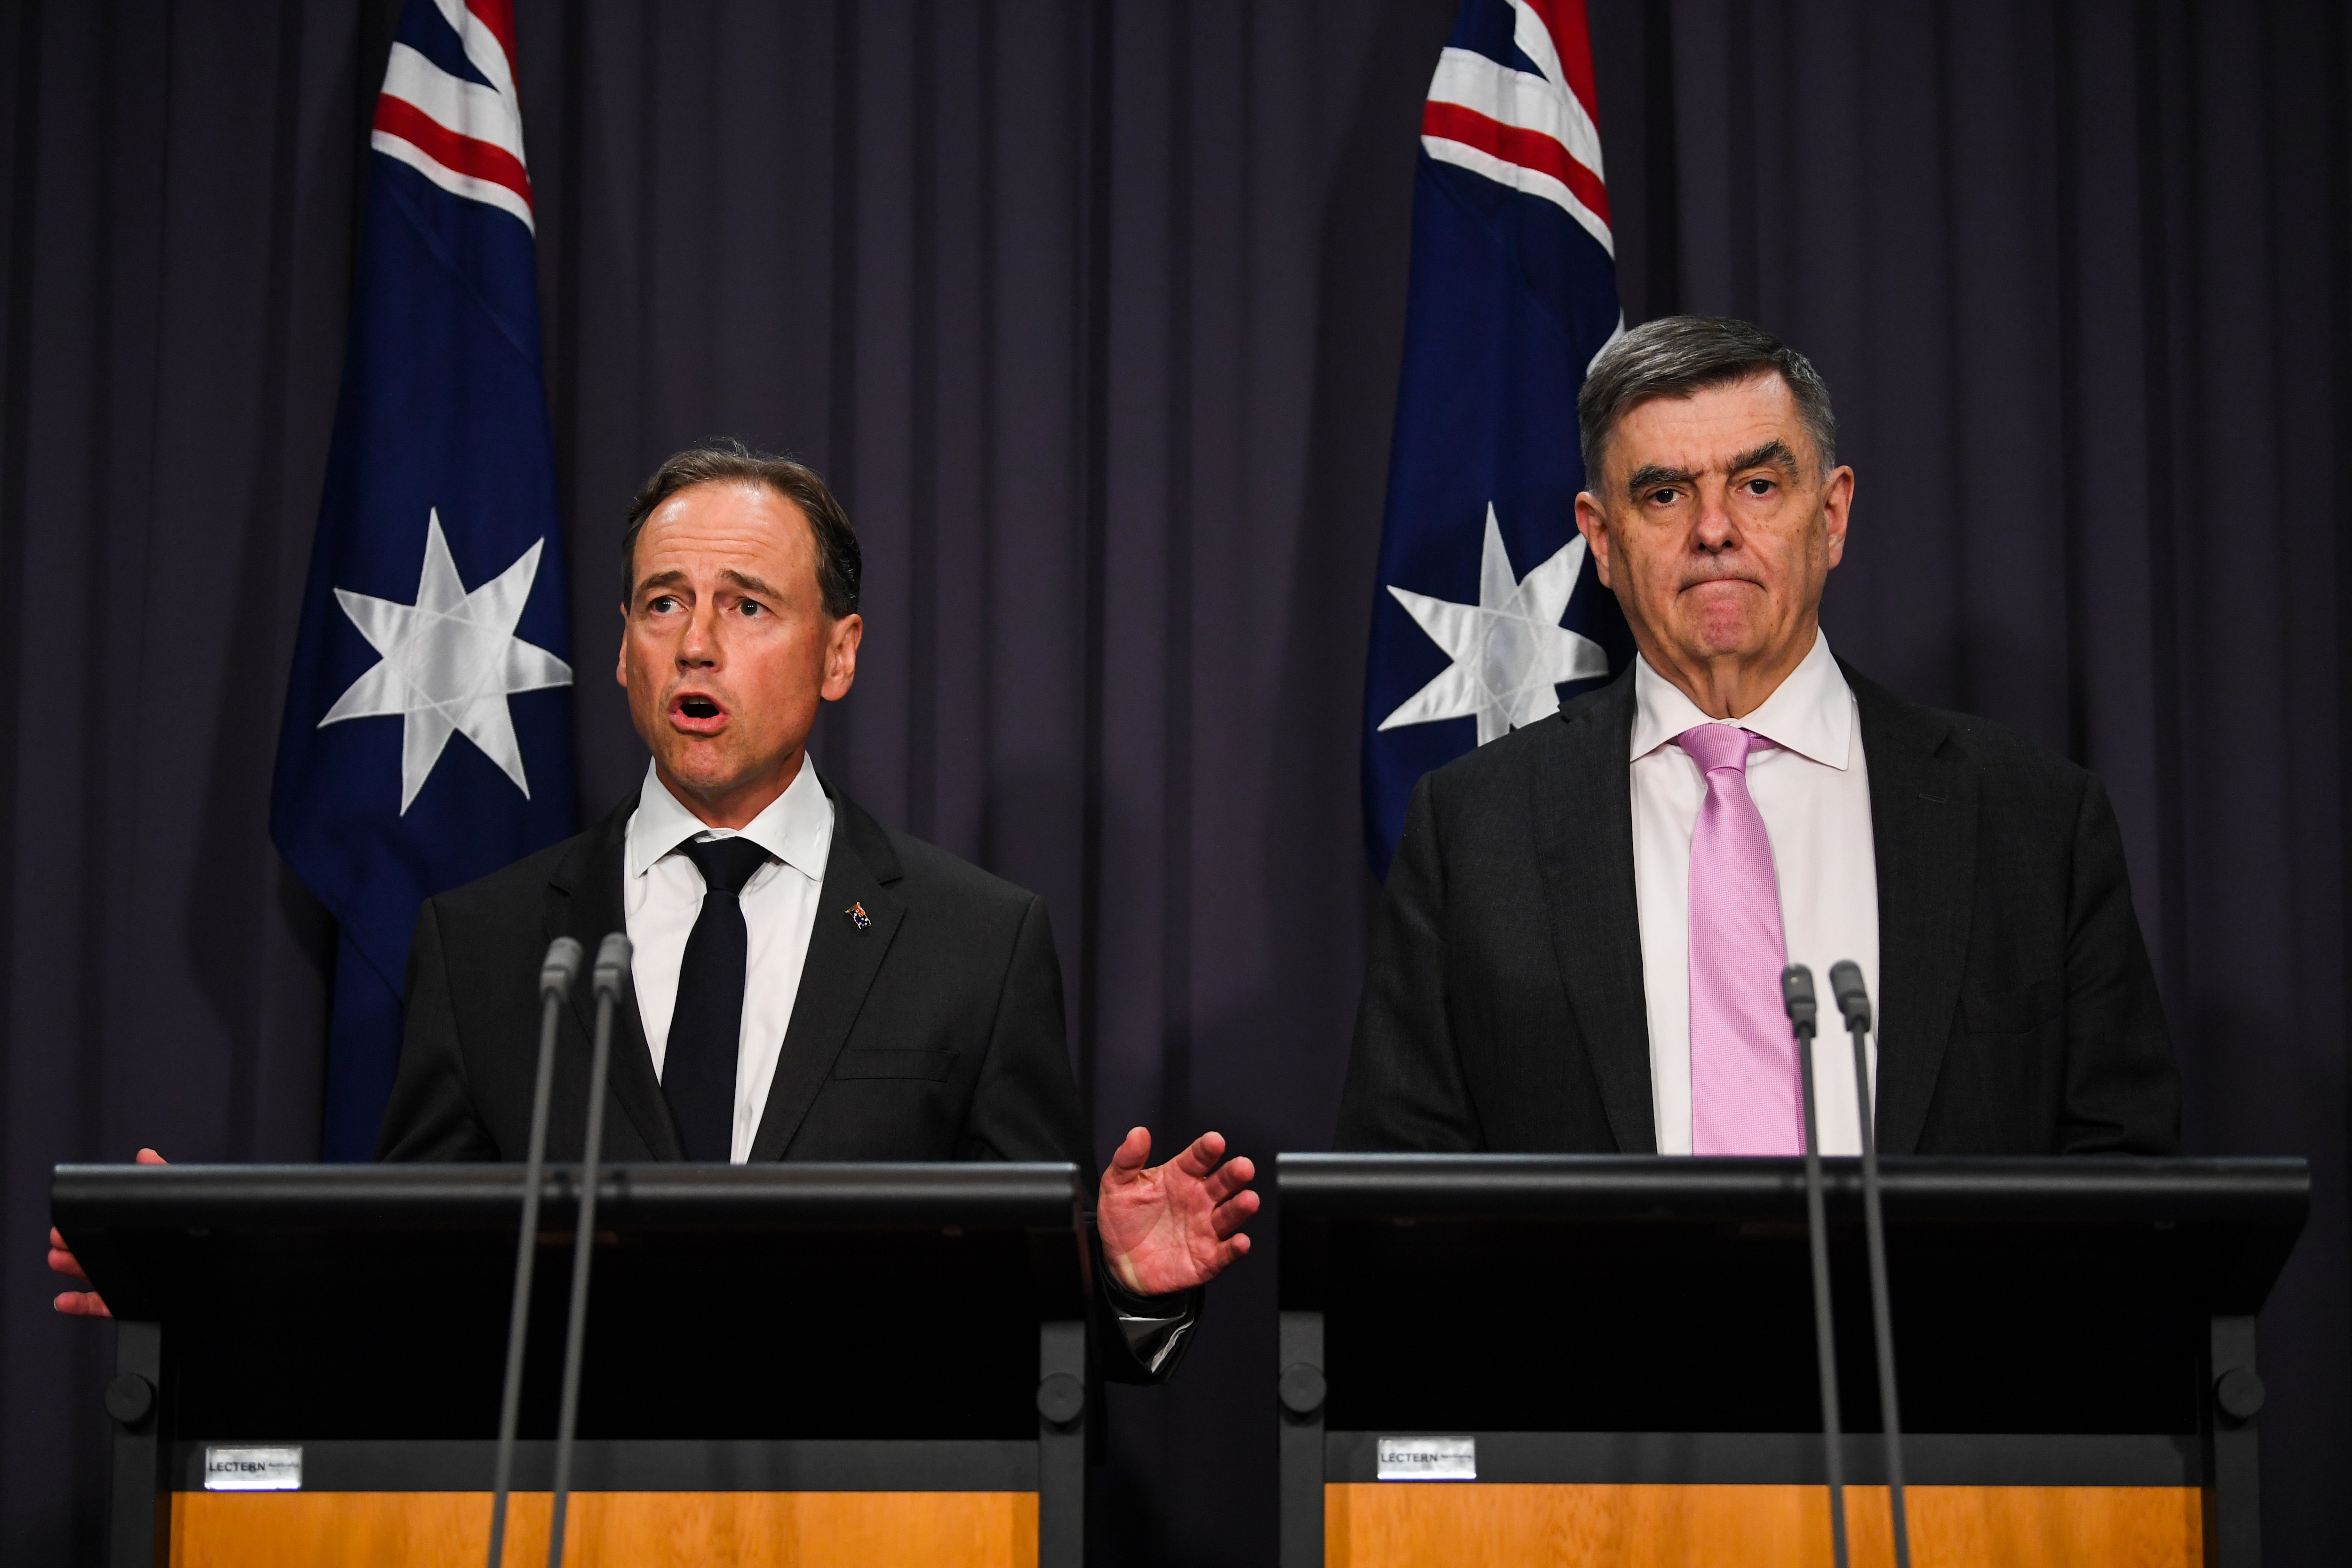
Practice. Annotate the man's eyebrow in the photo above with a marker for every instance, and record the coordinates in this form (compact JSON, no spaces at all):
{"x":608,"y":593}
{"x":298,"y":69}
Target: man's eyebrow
{"x":675,"y":578}
{"x":1650,"y":477}
{"x":745,"y":581}
{"x":1772,"y":454}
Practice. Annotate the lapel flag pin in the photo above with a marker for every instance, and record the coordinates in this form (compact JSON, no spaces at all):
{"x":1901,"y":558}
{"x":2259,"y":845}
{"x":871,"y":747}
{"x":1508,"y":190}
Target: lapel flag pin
{"x":858,"y":917}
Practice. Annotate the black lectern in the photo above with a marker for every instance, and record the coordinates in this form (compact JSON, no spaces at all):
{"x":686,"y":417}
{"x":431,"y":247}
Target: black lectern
{"x":894,"y":1354}
{"x":1626,"y":1346}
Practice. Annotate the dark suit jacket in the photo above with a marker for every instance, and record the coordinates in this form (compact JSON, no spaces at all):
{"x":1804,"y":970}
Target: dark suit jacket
{"x":934,"y":1032}
{"x":1504,"y":1008}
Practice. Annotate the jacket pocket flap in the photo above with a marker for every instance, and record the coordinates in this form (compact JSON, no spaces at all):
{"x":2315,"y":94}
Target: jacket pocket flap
{"x":935,"y":1066}
{"x":2011,"y":1012}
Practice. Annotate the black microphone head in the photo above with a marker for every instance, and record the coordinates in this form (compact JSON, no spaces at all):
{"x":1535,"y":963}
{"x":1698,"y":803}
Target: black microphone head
{"x":612,"y":971}
{"x":1796,"y":997}
{"x":560,"y":968}
{"x":1853,"y":996}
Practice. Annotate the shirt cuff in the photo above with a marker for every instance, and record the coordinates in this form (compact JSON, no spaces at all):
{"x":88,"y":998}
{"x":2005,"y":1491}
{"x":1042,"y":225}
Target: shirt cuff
{"x":1156,"y":1328}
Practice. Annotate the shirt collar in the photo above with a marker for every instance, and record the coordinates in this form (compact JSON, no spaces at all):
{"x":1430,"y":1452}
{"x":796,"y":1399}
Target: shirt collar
{"x":1809,"y":713}
{"x":796,"y":827}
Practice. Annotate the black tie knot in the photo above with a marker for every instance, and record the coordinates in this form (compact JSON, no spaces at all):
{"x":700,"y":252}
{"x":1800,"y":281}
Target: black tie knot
{"x":726,"y":864}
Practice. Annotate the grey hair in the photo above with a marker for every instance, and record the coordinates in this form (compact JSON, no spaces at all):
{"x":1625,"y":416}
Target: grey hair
{"x":1676,"y":357}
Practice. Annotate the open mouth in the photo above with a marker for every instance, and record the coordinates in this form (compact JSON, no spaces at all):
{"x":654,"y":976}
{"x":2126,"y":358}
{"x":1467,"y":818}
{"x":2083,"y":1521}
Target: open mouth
{"x":696,"y":713}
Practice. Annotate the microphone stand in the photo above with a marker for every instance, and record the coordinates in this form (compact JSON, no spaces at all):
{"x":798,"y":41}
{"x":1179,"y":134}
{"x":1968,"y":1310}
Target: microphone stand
{"x":1797,"y":997}
{"x":1854,"y":1001}
{"x":612,"y":973}
{"x":556,"y":973}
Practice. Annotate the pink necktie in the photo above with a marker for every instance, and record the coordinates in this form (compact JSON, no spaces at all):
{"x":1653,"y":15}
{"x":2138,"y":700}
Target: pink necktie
{"x":1745,"y":1094}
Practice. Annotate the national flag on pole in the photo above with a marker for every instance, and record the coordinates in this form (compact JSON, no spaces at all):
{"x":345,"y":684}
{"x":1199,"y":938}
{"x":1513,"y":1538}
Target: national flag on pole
{"x":1484,"y":616}
{"x":427,"y":734}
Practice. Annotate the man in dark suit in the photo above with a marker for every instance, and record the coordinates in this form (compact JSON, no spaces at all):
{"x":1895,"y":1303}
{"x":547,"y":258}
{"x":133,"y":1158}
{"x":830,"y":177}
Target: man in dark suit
{"x":806,"y":984}
{"x":1581,"y":938}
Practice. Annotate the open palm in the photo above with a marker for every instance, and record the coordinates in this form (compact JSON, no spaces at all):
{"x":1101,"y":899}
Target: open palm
{"x":1174,"y":1227}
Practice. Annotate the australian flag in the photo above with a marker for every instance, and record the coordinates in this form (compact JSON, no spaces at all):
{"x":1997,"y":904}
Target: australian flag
{"x":427,"y":736}
{"x":1484,"y":616}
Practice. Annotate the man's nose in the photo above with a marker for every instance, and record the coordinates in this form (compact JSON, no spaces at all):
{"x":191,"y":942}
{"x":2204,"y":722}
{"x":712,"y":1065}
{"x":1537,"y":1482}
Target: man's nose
{"x":699,"y":645}
{"x":1715,"y":532}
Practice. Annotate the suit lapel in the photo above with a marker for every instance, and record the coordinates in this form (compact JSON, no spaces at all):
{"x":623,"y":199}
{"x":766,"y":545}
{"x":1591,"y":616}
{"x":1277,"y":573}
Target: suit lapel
{"x":1923,"y":826}
{"x":842,"y":959}
{"x":584,"y":903}
{"x":1584,"y":847}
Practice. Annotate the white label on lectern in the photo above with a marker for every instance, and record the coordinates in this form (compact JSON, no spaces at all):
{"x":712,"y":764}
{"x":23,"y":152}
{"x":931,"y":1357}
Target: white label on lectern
{"x":1428,"y":1459}
{"x":253,"y":1470}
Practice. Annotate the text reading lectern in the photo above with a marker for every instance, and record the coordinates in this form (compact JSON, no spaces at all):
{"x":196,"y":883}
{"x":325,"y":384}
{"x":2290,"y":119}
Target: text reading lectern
{"x":1561,"y":1360}
{"x":783,"y":1362}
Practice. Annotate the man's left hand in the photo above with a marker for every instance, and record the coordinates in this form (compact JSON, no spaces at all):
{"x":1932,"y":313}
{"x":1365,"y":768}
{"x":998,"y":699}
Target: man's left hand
{"x":1175,"y":1227}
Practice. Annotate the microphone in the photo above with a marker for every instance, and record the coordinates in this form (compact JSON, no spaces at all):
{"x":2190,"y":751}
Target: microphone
{"x":1854,"y":1001}
{"x":1797,"y":998}
{"x":610,"y":978}
{"x":557,"y":972}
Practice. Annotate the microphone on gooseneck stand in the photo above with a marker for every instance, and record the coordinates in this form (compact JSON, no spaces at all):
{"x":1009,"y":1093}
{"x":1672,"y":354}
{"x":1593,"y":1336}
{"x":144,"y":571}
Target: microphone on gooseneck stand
{"x":1797,"y":997}
{"x":1854,"y":1001}
{"x":557,"y":970}
{"x":611,"y":977}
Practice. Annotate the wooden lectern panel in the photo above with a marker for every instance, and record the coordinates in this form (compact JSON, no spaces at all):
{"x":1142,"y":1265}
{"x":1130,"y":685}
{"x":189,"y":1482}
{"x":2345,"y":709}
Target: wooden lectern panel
{"x":607,"y":1530}
{"x":1424,"y":1524}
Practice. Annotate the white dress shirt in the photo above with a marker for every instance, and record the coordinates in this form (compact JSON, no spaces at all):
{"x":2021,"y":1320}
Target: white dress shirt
{"x":661,"y":894}
{"x":1813,"y":792}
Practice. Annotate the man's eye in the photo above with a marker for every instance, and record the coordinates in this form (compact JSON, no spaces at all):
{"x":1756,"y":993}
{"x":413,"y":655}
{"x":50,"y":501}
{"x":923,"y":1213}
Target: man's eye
{"x":1662,"y":497}
{"x":1759,"y":487}
{"x":752,"y":607}
{"x":662,"y":603}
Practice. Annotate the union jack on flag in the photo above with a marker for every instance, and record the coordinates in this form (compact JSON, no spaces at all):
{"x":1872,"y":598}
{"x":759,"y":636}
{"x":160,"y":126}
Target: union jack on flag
{"x":1484,"y":616}
{"x":427,"y":734}
{"x":455,"y":118}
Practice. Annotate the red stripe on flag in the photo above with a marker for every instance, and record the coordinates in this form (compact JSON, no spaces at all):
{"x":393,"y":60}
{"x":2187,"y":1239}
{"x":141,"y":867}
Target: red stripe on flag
{"x":1528,"y":148}
{"x":1572,"y":41}
{"x":463,"y":153}
{"x":498,"y":15}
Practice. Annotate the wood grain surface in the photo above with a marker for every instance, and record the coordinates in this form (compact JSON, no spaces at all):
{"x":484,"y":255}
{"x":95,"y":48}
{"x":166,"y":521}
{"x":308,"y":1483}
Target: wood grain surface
{"x":607,"y":1530}
{"x":1424,"y":1524}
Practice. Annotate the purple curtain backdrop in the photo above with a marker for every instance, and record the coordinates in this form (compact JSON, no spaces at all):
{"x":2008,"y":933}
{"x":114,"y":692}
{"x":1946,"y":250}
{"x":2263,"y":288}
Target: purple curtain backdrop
{"x":1092,"y":313}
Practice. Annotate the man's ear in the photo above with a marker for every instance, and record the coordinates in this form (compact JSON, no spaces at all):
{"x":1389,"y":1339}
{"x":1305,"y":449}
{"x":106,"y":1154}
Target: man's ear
{"x":1837,"y":508}
{"x":621,"y":660}
{"x":1593,"y":523}
{"x":841,"y":656}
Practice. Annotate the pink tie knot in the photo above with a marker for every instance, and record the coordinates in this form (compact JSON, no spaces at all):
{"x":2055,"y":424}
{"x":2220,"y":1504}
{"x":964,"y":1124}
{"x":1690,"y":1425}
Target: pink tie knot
{"x":1714,"y":746}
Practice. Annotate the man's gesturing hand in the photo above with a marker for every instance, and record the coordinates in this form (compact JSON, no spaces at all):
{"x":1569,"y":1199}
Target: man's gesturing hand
{"x":1173,"y":1226}
{"x":83,"y":1303}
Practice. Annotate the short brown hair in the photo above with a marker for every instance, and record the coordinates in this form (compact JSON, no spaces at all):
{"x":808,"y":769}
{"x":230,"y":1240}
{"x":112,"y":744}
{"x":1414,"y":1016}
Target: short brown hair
{"x":720,"y":458}
{"x":1675,"y":356}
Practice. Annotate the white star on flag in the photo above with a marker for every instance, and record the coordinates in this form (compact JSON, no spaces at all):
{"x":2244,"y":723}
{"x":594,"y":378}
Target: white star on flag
{"x":450,"y":661}
{"x":1509,"y":650}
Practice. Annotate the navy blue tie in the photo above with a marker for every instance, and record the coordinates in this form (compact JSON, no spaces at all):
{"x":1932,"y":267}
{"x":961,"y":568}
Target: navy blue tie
{"x":698,"y":1065}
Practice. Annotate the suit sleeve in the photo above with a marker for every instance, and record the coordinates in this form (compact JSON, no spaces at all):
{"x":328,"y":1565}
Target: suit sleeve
{"x":2122,"y":1084}
{"x":431,"y":1115}
{"x":1405,"y":1090}
{"x":1026,"y":1106}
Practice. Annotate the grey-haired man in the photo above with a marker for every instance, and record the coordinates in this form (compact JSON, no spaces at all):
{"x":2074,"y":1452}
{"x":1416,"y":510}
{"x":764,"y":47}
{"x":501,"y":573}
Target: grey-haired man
{"x":1580,"y":942}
